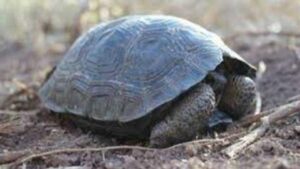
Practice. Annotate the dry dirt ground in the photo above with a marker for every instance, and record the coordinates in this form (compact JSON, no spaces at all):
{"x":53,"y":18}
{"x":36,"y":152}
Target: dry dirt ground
{"x":27,"y":128}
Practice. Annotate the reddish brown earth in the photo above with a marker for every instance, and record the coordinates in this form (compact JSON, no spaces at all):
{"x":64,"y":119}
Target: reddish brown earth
{"x":25,"y":125}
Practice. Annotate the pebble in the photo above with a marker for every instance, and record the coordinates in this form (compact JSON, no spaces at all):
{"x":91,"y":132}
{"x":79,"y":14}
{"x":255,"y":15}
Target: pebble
{"x":297,"y":129}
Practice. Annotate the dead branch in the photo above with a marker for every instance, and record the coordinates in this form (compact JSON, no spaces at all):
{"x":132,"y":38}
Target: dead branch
{"x":76,"y":150}
{"x":258,"y":104}
{"x":18,"y":161}
{"x":243,"y":142}
{"x":18,"y":113}
{"x":261,"y":69}
{"x":102,"y":149}
{"x":266,"y":118}
{"x":261,"y":33}
{"x":202,"y":141}
{"x":277,"y":114}
{"x":294,"y":98}
{"x":248,"y":120}
{"x":12,"y":156}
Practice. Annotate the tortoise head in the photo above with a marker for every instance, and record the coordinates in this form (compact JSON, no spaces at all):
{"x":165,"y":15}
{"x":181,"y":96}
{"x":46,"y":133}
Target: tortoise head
{"x":217,"y":80}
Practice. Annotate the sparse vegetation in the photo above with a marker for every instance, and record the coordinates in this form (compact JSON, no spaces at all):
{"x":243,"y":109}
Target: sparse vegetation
{"x":39,"y":23}
{"x":35,"y":34}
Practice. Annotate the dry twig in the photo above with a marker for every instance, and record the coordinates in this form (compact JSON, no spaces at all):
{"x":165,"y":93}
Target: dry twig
{"x":202,"y":141}
{"x":265,"y":117}
{"x":101,"y":149}
{"x":294,"y":98}
{"x":278,"y":113}
{"x":12,"y":156}
{"x":18,"y":113}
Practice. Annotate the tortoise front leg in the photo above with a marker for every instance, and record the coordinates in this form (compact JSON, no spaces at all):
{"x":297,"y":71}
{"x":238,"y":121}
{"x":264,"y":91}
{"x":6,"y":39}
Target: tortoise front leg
{"x":187,"y":117}
{"x":239,"y":97}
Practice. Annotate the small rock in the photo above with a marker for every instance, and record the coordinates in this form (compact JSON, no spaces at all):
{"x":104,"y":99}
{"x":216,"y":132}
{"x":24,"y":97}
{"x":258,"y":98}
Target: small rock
{"x":297,"y":129}
{"x":195,"y":163}
{"x":115,"y":163}
{"x":191,"y":150}
{"x":281,"y":164}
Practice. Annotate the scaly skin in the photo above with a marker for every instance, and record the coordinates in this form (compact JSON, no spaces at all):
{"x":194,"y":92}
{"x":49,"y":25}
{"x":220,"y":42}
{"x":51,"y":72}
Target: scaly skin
{"x":239,"y":97}
{"x":186,"y":118}
{"x":190,"y":115}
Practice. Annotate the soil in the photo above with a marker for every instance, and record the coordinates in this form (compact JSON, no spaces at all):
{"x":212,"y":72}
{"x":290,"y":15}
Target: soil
{"x":25,"y":126}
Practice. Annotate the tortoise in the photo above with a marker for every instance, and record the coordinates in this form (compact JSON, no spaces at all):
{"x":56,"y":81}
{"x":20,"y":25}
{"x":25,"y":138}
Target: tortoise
{"x":150,"y":76}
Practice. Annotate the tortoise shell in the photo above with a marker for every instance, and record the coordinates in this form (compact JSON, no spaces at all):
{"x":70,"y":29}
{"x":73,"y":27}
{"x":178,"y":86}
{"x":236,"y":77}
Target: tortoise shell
{"x":124,"y":69}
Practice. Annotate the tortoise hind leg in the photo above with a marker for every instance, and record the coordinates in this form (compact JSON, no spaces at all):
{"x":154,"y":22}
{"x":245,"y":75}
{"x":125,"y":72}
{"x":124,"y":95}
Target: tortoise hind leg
{"x":239,"y":97}
{"x":186,"y":118}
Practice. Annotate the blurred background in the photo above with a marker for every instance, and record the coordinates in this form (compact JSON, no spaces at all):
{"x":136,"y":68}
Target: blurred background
{"x":35,"y":34}
{"x":54,"y":24}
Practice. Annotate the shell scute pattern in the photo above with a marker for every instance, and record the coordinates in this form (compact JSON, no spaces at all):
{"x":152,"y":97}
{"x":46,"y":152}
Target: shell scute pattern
{"x":124,"y":69}
{"x":98,"y":96}
{"x":106,"y":56}
{"x":153,"y":50}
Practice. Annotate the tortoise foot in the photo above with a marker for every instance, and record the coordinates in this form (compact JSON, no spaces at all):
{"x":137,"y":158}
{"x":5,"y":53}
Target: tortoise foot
{"x":187,"y":117}
{"x":239,"y":98}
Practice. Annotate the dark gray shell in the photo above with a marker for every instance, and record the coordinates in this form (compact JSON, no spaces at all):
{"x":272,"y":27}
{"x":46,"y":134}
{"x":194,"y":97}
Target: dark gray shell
{"x":124,"y":69}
